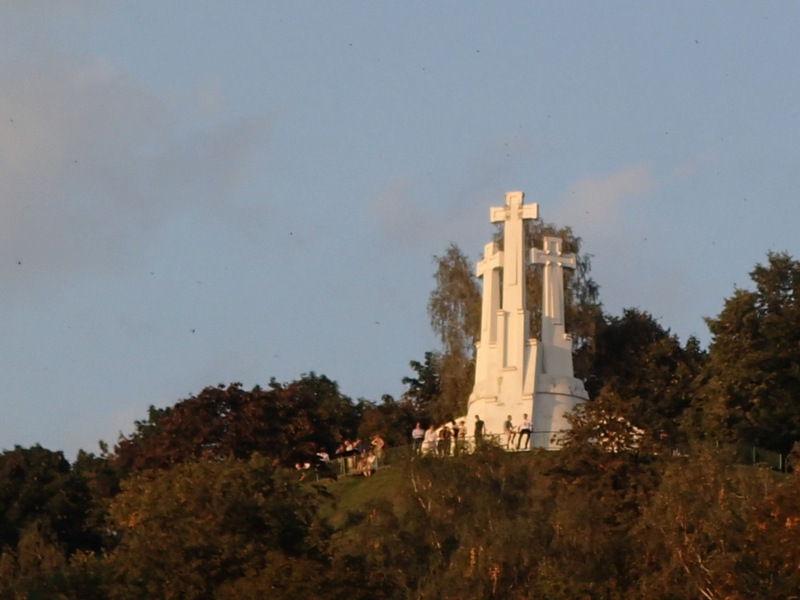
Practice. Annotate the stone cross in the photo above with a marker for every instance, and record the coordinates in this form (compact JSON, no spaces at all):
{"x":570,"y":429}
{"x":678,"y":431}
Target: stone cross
{"x":512,"y":215}
{"x":489,"y":269}
{"x":515,"y":374}
{"x":553,"y":289}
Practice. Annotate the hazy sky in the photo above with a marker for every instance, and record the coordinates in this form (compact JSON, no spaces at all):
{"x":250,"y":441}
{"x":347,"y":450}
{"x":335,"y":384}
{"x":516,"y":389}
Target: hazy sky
{"x":196,"y":193}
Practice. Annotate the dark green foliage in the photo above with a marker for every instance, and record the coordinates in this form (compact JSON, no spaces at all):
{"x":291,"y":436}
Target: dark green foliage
{"x":39,"y":490}
{"x":50,"y":526}
{"x":716,"y":530}
{"x":424,"y":388}
{"x":220,"y":528}
{"x":431,"y":392}
{"x":289,"y":422}
{"x":500,"y":525}
{"x":752,"y":393}
{"x":642,"y":375}
{"x":390,"y":419}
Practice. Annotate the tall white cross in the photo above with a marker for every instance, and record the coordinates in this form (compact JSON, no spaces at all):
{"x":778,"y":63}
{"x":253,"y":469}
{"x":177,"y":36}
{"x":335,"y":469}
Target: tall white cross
{"x":513,"y":214}
{"x":489,"y":270}
{"x":553,"y":286}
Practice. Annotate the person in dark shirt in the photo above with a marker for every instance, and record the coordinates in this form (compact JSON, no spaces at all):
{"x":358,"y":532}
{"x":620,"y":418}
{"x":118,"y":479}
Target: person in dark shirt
{"x":478,"y":431}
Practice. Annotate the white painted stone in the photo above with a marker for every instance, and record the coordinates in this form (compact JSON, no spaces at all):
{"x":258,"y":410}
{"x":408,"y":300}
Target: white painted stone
{"x":557,"y":390}
{"x":515,"y":374}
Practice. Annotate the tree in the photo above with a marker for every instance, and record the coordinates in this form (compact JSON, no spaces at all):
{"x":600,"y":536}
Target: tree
{"x":38,"y":490}
{"x":424,"y":389}
{"x":289,"y":422}
{"x":454,"y":307}
{"x":716,"y":530}
{"x":500,"y":525}
{"x":641,"y":376}
{"x":752,"y":393}
{"x":222,"y":528}
{"x":454,"y":304}
{"x":390,"y":419}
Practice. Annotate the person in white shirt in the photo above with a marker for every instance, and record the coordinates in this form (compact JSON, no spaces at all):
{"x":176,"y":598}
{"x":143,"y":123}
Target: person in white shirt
{"x":417,"y":435}
{"x":431,"y":437}
{"x":525,"y":429}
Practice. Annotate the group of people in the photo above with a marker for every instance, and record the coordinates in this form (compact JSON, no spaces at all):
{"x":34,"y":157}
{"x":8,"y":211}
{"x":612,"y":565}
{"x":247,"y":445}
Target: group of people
{"x":517,"y":433}
{"x":450,"y":438}
{"x":356,"y":457}
{"x":446,"y":440}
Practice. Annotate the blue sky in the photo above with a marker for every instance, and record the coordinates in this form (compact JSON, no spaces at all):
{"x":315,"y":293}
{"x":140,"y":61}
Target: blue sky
{"x":207,"y":192}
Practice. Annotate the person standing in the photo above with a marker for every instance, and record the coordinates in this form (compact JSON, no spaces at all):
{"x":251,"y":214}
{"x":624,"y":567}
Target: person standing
{"x":525,"y":430}
{"x":445,"y":437}
{"x":429,"y":446}
{"x":478,"y":432}
{"x":510,"y":432}
{"x":378,"y":445}
{"x":417,"y":435}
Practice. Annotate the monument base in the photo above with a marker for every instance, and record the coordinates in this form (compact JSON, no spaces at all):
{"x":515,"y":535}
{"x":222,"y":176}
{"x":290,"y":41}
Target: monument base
{"x":554,"y":399}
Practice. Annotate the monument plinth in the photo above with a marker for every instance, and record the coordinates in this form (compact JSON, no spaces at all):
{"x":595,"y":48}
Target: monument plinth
{"x":514,"y":374}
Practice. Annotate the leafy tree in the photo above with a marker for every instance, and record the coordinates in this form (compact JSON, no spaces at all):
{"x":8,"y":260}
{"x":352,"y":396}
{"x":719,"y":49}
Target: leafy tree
{"x":752,"y":393}
{"x":390,"y":419}
{"x":50,"y":527}
{"x":456,"y":529}
{"x":454,"y":307}
{"x":425,"y":389}
{"x":287,"y":421}
{"x":101,"y":480}
{"x":499,"y":525}
{"x":40,"y":568}
{"x":771,"y":554}
{"x":220,"y":528}
{"x":454,"y":304}
{"x":38,"y":490}
{"x":715,"y":530}
{"x":641,"y":377}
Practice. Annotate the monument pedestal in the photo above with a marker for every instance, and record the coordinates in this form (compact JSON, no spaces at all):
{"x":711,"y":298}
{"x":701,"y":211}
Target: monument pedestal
{"x":554,"y":398}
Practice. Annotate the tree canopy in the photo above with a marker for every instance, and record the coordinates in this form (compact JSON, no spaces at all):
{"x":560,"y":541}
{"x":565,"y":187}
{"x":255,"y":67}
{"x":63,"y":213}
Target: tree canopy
{"x":289,"y":422}
{"x":752,"y":389}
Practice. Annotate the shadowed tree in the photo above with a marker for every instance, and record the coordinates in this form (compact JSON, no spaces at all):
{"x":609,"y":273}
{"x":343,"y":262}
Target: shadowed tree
{"x":286,"y":421}
{"x":641,"y":375}
{"x":38,"y":488}
{"x":752,"y":393}
{"x":217,"y":529}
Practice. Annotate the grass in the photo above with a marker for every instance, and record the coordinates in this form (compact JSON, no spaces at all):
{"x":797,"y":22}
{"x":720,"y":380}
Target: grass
{"x":352,"y":492}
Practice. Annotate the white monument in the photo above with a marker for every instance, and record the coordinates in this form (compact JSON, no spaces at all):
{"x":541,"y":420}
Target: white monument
{"x":514,"y":374}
